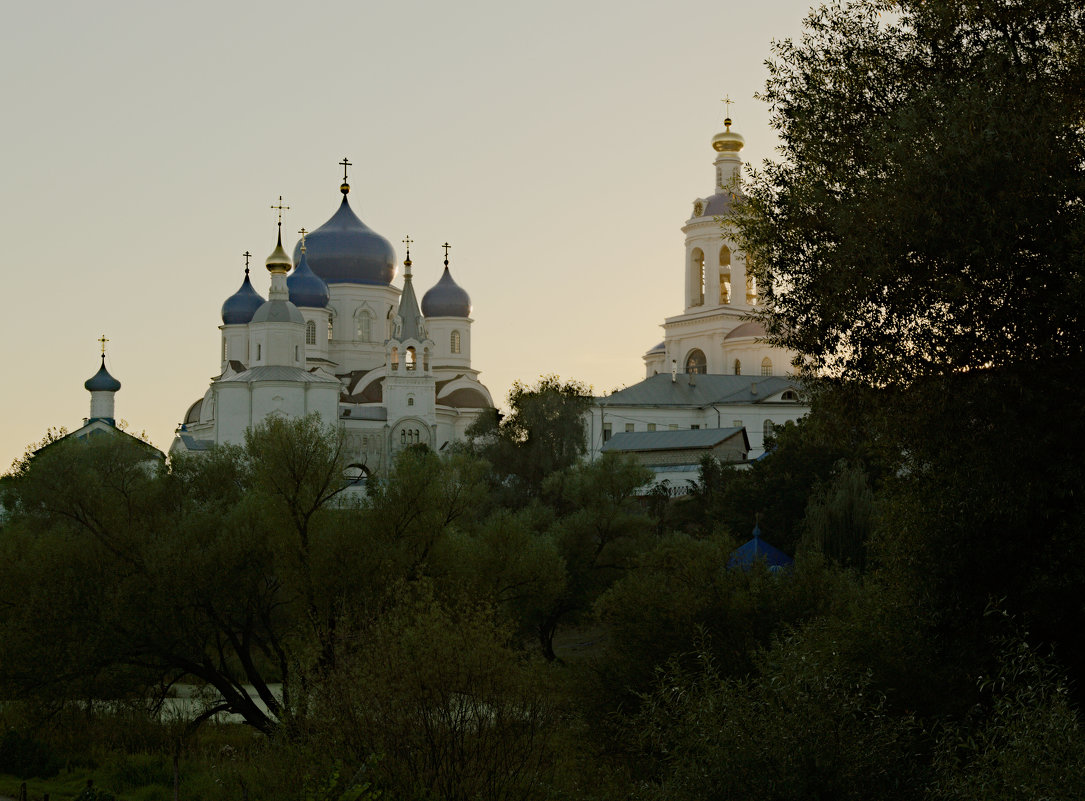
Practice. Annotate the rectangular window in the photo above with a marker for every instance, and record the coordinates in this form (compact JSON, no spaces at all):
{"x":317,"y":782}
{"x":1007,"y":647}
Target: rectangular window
{"x":673,"y":426}
{"x":606,"y":432}
{"x":258,"y":352}
{"x":651,"y":426}
{"x":694,"y":427}
{"x":738,"y":424}
{"x":628,"y":427}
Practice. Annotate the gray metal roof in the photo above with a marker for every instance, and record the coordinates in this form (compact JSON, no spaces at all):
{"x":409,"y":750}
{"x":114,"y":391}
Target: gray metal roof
{"x":414,"y":326}
{"x":193,"y":444}
{"x":277,"y":372}
{"x":707,"y":390}
{"x":681,"y":439}
{"x":278,"y":311}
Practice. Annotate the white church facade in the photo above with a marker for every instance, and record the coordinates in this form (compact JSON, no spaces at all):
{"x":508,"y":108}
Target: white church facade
{"x":712,"y":372}
{"x":335,"y":337}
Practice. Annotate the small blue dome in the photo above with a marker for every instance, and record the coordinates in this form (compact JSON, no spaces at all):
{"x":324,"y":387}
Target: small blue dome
{"x":344,"y":250}
{"x":446,"y":299}
{"x":240,"y":306}
{"x":306,"y":287}
{"x":102,"y":381}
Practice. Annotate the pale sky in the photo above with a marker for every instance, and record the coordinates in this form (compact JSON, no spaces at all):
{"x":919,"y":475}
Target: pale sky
{"x":557,"y":146}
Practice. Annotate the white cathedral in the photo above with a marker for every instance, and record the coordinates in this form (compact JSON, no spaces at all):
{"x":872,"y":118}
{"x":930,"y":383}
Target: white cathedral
{"x":712,"y":386}
{"x":335,"y":337}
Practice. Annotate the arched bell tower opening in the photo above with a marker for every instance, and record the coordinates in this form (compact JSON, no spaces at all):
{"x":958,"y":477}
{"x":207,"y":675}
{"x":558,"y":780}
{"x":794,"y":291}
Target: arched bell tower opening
{"x":725,"y":275}
{"x":696,"y":277}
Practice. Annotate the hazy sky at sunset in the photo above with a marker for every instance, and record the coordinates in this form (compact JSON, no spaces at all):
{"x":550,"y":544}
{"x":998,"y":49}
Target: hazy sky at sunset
{"x":557,"y":146}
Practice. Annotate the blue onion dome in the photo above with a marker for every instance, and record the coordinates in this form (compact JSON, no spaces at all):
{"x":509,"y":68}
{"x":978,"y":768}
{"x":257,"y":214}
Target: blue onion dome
{"x":446,"y":299}
{"x":306,"y":287}
{"x":344,"y":250}
{"x":102,"y":381}
{"x":240,"y":306}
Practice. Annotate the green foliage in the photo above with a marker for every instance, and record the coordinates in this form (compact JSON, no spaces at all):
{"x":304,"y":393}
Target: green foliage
{"x":442,"y":693}
{"x":25,"y":757}
{"x":839,"y":517}
{"x":924,"y":216}
{"x":543,"y":432}
{"x":1025,"y":740}
{"x":804,"y":726}
{"x":679,"y":597}
{"x":335,"y":788}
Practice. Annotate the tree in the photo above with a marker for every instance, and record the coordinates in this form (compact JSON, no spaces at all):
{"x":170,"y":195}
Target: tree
{"x":543,"y":432}
{"x":925,"y":216}
{"x":118,"y":579}
{"x":921,"y":242}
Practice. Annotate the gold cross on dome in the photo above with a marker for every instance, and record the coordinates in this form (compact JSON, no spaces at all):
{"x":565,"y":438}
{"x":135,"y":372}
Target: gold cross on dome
{"x":408,"y":242}
{"x":103,"y":340}
{"x":281,"y":208}
{"x":345,"y":164}
{"x":727,"y":99}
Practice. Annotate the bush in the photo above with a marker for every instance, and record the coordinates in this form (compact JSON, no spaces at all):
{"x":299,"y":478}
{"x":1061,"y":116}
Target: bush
{"x":26,"y":757}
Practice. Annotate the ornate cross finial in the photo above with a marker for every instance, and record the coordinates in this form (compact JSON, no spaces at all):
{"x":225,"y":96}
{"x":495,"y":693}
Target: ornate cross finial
{"x":281,"y":208}
{"x":727,"y":99}
{"x":345,"y":164}
{"x":102,"y":340}
{"x":446,"y":246}
{"x":408,"y":242}
{"x":303,"y":232}
{"x":247,"y":256}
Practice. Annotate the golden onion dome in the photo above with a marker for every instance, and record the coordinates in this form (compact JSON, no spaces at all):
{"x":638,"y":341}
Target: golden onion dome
{"x":726,"y":141}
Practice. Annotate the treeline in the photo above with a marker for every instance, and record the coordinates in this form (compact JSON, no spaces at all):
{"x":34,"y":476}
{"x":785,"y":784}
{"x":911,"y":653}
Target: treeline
{"x":464,"y":630}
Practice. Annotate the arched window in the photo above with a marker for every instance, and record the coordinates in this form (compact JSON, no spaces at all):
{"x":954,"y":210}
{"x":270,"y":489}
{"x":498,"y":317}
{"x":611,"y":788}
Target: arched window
{"x":225,"y":350}
{"x":363,"y":329}
{"x":766,"y":366}
{"x":738,"y":367}
{"x":410,"y":400}
{"x":696,"y":362}
{"x":330,"y":329}
{"x":395,"y":358}
{"x":408,"y":358}
{"x":455,"y":342}
{"x":725,"y":274}
{"x":696,"y":274}
{"x":790,"y":395}
{"x":310,"y":333}
{"x":769,"y":429}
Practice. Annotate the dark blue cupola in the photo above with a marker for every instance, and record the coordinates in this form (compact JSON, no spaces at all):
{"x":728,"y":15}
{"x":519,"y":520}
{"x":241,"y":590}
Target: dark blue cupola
{"x":102,"y":381}
{"x":446,"y":298}
{"x":344,"y":250}
{"x":306,"y":287}
{"x":242,"y":305}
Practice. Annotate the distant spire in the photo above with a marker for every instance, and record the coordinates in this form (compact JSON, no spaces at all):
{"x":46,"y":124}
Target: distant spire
{"x":345,"y":187}
{"x":278,"y":261}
